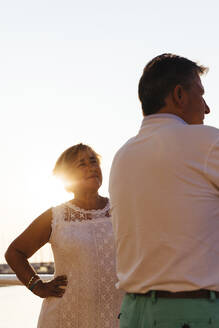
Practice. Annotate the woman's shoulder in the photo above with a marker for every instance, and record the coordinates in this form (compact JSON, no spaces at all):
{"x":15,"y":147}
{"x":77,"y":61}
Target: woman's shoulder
{"x":58,"y":209}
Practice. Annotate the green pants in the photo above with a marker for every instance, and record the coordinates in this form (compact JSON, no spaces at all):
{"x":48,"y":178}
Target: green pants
{"x":139,"y":311}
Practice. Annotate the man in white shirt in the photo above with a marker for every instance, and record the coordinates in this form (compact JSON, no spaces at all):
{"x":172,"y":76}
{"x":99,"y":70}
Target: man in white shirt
{"x":164,"y":190}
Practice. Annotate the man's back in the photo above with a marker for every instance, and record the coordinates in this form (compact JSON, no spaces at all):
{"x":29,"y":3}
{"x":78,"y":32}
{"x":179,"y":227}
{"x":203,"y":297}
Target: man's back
{"x":164,"y":190}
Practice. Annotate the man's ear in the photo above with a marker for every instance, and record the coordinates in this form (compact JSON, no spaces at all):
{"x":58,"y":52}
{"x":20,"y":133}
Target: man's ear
{"x":179,"y":96}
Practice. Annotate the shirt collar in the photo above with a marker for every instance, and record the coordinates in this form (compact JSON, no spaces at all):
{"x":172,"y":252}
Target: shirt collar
{"x":163,"y":116}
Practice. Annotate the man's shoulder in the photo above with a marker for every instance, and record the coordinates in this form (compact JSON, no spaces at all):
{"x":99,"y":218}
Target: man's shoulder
{"x":202,"y":128}
{"x":190,"y":136}
{"x":193,"y":130}
{"x":126,"y":146}
{"x":125,"y":151}
{"x":198,"y":138}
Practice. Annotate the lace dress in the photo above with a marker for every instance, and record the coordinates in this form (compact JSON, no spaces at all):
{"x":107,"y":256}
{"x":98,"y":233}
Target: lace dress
{"x":83,"y":247}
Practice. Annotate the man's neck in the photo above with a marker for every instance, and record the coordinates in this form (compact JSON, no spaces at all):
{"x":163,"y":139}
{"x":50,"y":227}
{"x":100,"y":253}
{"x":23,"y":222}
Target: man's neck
{"x":173,"y":111}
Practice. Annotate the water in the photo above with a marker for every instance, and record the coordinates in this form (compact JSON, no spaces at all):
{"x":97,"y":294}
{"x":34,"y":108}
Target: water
{"x":19,"y":308}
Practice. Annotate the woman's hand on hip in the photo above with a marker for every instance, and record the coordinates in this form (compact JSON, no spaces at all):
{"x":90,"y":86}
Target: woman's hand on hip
{"x":51,"y":288}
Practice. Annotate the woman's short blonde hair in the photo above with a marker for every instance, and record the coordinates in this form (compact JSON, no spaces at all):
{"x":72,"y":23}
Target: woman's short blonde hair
{"x":65,"y":160}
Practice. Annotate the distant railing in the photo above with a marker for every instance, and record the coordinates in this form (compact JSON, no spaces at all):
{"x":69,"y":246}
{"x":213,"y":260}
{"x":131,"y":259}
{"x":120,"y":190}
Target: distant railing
{"x":12,"y":280}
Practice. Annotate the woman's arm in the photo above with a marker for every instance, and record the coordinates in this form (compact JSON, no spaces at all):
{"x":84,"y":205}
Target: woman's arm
{"x":24,"y":246}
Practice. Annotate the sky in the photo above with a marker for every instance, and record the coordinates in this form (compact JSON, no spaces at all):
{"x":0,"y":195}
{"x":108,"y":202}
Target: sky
{"x":69,"y":73}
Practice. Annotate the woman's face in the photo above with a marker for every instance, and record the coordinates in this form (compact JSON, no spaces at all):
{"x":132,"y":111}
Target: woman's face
{"x":85,"y":174}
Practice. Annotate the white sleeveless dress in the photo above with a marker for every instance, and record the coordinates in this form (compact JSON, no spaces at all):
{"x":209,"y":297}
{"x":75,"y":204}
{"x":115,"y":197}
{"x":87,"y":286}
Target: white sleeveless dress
{"x":83,"y":247}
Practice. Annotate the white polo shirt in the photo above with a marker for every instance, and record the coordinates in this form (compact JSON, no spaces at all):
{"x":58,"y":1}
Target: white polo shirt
{"x":164,"y":190}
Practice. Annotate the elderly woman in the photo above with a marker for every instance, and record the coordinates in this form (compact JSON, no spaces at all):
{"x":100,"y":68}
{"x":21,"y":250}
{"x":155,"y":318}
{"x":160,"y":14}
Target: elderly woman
{"x":83,"y":293}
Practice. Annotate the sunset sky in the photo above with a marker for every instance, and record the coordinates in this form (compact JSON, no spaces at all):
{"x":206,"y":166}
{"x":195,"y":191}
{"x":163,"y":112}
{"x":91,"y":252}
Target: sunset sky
{"x":69,"y":72}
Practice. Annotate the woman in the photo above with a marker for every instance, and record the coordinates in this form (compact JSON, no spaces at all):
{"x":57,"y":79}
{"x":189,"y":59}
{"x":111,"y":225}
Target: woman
{"x":83,"y":293}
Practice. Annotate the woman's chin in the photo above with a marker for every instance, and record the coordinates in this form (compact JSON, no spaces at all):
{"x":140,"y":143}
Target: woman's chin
{"x":88,"y":185}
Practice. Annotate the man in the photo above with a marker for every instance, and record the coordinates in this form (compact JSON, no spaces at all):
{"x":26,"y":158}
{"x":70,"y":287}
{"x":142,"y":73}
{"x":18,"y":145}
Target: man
{"x":164,"y":189}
